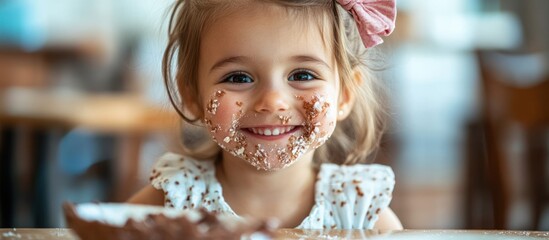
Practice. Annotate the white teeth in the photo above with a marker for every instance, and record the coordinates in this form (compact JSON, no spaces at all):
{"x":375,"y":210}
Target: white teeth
{"x":271,"y":131}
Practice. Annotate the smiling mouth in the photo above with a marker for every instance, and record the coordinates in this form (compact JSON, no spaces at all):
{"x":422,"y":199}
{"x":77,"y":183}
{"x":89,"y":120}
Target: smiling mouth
{"x":271,"y":131}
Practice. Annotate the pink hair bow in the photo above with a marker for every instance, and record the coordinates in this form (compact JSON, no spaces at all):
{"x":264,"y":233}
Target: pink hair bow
{"x":375,"y":18}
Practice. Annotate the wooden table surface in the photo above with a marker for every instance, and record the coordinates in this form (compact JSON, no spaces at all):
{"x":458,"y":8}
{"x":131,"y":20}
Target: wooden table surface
{"x":64,"y":233}
{"x":97,"y":112}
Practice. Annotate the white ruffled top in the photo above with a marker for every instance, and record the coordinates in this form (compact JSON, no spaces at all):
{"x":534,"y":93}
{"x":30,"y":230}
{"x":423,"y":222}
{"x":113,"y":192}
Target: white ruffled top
{"x":346,"y":197}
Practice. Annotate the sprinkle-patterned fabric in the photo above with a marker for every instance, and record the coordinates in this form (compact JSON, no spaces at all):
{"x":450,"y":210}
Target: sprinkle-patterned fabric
{"x":346,"y":197}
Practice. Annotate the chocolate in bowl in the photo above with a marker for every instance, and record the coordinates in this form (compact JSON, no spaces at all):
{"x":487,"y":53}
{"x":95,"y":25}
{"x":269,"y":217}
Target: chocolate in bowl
{"x":107,"y":221}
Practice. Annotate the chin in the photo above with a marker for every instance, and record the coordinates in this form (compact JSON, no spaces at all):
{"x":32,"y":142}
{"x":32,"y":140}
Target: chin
{"x":272,"y":163}
{"x":273,"y":167}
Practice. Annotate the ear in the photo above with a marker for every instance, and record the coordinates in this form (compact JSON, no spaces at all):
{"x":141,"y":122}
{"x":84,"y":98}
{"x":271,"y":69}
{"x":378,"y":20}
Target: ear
{"x":347,"y":97}
{"x":191,"y":107}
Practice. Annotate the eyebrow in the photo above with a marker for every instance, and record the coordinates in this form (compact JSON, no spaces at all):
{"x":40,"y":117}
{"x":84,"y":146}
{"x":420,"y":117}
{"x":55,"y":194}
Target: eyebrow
{"x":312,"y":59}
{"x":241,"y":59}
{"x":225,"y":61}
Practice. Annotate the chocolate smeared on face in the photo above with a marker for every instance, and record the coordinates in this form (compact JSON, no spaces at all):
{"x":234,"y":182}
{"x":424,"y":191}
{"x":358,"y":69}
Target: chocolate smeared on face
{"x":213,"y":104}
{"x":315,"y":107}
{"x":259,"y":157}
{"x":209,"y":125}
{"x":237,"y":137}
{"x":263,"y":154}
{"x":284,"y":119}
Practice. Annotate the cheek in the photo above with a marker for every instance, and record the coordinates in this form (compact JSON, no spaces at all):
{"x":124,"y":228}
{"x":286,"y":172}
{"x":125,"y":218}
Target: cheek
{"x":320,"y":114}
{"x":226,"y":111}
{"x":320,"y":107}
{"x":223,"y":111}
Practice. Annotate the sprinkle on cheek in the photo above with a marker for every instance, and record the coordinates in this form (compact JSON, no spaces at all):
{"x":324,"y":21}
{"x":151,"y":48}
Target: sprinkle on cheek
{"x":213,"y":104}
{"x":210,"y":126}
{"x":237,"y":137}
{"x":312,"y":136}
{"x":316,"y":106}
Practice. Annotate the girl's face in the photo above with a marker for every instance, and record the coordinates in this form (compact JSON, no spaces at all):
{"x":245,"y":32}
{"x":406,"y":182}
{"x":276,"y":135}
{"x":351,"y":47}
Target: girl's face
{"x":269,"y":86}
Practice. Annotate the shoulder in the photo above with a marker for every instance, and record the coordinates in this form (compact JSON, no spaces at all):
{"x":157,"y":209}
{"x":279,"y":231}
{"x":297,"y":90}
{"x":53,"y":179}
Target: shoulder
{"x":172,"y":162}
{"x":171,"y":166}
{"x":364,"y":170}
{"x":168,"y":170}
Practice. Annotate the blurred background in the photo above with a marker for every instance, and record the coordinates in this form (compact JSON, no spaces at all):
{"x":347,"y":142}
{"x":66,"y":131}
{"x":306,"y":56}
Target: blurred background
{"x":83,"y":113}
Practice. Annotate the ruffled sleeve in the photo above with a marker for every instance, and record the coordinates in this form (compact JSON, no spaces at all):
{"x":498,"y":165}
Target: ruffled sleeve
{"x":350,"y":197}
{"x":187,"y":183}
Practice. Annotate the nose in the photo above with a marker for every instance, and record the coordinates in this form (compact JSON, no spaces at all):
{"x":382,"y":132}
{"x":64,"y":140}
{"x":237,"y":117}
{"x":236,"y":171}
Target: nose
{"x":271,"y":100}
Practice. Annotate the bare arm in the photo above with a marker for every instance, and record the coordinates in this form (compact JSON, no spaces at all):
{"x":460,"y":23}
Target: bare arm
{"x":388,"y":221}
{"x":149,"y":196}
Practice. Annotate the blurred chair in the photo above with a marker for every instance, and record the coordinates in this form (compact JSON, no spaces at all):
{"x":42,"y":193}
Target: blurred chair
{"x":19,"y":68}
{"x":45,"y":94}
{"x":508,"y":99}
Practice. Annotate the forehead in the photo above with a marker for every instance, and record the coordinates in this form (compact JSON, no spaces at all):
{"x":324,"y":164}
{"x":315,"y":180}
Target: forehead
{"x":262,"y":29}
{"x":304,"y":15}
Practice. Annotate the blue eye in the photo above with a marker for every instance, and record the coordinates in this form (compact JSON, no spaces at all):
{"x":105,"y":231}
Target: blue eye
{"x":302,"y":76}
{"x":238,"y":78}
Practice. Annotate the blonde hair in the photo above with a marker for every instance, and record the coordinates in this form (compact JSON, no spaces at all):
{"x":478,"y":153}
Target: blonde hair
{"x":354,"y":138}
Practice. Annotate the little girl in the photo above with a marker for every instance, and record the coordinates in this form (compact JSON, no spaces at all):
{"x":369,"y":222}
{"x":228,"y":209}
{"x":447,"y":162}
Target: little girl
{"x":283,"y":89}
